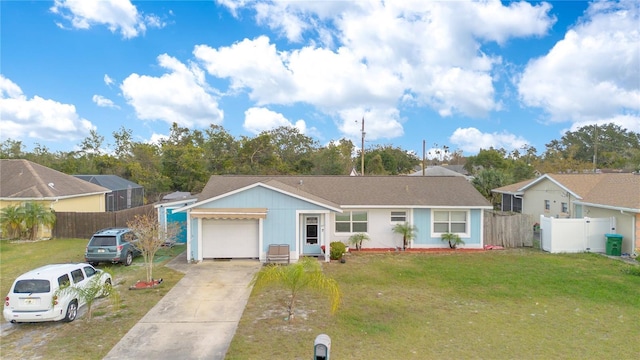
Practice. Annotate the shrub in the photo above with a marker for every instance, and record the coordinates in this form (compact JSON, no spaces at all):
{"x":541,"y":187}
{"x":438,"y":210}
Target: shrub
{"x":337,"y":249}
{"x":357,"y":239}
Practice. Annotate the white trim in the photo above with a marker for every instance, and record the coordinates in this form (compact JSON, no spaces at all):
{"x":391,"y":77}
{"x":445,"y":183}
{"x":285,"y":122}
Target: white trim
{"x":608,"y":207}
{"x":54,"y":198}
{"x":414,"y":207}
{"x":466,"y":234}
{"x":200,"y":221}
{"x":172,"y":203}
{"x":326,"y":206}
{"x":261,"y":255}
{"x":189,"y":238}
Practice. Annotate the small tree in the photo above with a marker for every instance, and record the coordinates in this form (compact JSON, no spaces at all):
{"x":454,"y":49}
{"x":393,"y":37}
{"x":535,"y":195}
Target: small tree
{"x":98,"y":286}
{"x":306,"y":274}
{"x":357,"y":239}
{"x":407,"y":231}
{"x":453,"y":240}
{"x":151,"y":237}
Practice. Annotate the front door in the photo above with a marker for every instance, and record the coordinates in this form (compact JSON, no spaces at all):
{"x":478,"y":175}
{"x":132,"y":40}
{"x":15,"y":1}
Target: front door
{"x":311,"y":235}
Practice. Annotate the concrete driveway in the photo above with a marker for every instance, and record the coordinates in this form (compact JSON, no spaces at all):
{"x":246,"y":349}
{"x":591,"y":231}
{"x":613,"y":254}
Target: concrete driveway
{"x":197,"y":319}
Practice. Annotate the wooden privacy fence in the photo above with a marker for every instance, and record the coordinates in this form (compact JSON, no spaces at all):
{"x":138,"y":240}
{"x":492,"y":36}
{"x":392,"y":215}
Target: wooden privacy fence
{"x":83,"y":225}
{"x":510,"y":230}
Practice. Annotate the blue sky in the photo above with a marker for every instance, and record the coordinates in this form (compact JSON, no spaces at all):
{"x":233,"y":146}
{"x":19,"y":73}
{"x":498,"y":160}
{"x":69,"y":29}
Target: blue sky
{"x":464,"y":74}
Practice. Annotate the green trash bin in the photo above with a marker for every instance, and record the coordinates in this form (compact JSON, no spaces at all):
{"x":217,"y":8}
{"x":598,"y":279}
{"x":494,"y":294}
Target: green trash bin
{"x":614,"y":244}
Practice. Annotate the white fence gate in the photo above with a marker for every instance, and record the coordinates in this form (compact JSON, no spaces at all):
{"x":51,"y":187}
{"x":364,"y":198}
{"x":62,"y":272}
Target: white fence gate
{"x":575,"y":235}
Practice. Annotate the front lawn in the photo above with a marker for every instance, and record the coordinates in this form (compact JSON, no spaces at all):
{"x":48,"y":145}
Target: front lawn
{"x":515,"y":304}
{"x":80,"y":339}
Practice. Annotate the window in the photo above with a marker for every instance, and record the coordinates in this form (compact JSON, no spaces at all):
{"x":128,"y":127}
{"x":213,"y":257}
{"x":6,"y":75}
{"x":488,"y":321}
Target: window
{"x":565,"y":208}
{"x":90,"y":271}
{"x":450,"y":222}
{"x":63,"y":280}
{"x":77,"y":276}
{"x":398,"y":216}
{"x":547,"y":205}
{"x":32,"y":286}
{"x":351,"y":222}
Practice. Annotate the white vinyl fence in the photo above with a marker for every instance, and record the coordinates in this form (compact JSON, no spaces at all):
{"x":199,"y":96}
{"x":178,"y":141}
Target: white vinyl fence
{"x":575,"y":235}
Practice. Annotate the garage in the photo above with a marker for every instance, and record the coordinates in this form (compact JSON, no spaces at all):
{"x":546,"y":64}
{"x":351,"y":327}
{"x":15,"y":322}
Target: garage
{"x":225,"y":238}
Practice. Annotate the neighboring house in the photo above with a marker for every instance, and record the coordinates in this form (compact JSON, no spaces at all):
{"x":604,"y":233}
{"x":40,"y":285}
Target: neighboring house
{"x":124,"y":194}
{"x":239,"y":216}
{"x":435,"y":171}
{"x":581,"y":195}
{"x":167,"y":215}
{"x":23,"y":181}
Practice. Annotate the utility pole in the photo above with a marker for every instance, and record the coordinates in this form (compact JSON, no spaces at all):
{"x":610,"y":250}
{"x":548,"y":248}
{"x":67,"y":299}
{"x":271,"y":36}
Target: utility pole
{"x":362,"y":150}
{"x":595,"y":147}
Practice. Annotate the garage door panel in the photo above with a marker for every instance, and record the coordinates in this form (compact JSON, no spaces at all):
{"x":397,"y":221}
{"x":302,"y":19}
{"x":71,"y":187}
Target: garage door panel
{"x":230,"y":239}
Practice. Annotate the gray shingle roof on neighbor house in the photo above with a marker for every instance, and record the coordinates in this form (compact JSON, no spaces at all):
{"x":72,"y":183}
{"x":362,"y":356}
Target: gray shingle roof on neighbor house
{"x":112,"y":182}
{"x":361,"y":190}
{"x":23,"y":179}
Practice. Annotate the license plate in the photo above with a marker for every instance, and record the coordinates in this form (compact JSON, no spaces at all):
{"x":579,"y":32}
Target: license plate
{"x":100,"y":250}
{"x":31,"y":301}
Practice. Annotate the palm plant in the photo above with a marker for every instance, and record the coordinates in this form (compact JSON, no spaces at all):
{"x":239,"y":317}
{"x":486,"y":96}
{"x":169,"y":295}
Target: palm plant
{"x":306,"y":274}
{"x":453,"y":240}
{"x":96,"y":287}
{"x":11,"y":221}
{"x":357,"y":239}
{"x":36,"y":214}
{"x":407,"y":231}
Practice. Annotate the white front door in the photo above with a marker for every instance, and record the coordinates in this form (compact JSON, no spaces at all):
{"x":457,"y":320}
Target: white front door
{"x":311,"y":235}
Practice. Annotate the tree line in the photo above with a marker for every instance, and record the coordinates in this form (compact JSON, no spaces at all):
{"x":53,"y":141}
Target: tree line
{"x":186,"y":159}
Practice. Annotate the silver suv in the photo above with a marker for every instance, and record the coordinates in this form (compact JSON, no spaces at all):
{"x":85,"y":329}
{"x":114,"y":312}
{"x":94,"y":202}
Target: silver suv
{"x":114,"y":245}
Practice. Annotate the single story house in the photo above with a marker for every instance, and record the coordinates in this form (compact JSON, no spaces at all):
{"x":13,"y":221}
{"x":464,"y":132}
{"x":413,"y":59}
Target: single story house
{"x":574,"y":196}
{"x":240,"y":216}
{"x":124,"y":194}
{"x":23,"y":181}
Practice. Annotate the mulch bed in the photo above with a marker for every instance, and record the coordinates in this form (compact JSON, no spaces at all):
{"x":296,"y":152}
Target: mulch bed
{"x":145,"y":284}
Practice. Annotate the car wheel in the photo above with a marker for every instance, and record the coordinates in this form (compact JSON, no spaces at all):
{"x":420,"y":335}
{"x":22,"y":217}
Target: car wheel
{"x":72,"y":311}
{"x":106,"y":289}
{"x":128,"y":259}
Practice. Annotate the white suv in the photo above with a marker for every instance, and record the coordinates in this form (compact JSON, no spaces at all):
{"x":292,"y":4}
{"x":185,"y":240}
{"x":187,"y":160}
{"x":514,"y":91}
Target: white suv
{"x":32,"y":297}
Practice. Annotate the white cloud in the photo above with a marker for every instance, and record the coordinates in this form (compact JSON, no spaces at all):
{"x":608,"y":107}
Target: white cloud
{"x":592,"y":74}
{"x":38,"y":118}
{"x":117,"y":15}
{"x":471,"y":140}
{"x":385,"y":54}
{"x":108,"y":80}
{"x":181,"y":95}
{"x":103,"y":101}
{"x":258,"y":119}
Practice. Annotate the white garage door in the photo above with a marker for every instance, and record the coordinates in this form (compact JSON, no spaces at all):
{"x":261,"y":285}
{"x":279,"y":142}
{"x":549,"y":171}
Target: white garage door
{"x":230,"y":239}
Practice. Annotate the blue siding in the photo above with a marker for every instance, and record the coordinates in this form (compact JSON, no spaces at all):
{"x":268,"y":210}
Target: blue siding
{"x":279,"y":227}
{"x":422,"y":221}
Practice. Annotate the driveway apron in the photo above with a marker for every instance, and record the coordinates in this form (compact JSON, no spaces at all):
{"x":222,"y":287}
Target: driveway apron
{"x":198,"y":317}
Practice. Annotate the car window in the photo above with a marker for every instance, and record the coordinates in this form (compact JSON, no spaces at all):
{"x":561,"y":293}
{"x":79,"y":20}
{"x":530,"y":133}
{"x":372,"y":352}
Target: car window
{"x":32,"y":286}
{"x":64,"y":280}
{"x":103,"y":241}
{"x":128,"y":237}
{"x":77,"y":276}
{"x":90,"y":271}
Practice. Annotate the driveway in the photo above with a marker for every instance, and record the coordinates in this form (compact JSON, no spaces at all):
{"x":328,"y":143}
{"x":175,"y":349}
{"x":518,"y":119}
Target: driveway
{"x":198,"y":317}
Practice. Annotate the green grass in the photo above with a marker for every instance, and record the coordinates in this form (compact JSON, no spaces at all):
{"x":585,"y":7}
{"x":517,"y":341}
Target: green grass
{"x":80,"y":339}
{"x":521,"y":304}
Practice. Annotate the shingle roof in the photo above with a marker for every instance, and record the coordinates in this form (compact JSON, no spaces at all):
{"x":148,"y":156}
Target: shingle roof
{"x":362,"y":190}
{"x":436,"y":171}
{"x":112,"y":182}
{"x":23,"y":179}
{"x":611,"y":189}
